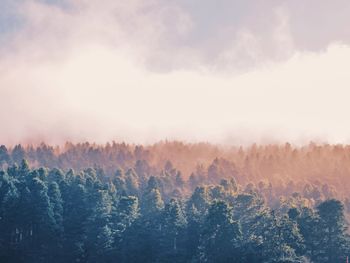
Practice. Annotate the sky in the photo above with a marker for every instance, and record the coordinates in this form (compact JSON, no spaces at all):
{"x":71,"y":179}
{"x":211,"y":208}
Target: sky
{"x":225,"y":71}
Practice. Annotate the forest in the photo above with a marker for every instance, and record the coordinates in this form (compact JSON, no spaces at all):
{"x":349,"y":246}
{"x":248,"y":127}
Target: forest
{"x":174,"y":202}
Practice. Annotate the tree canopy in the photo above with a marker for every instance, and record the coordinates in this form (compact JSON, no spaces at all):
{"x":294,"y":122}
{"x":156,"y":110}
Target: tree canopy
{"x":48,"y":215}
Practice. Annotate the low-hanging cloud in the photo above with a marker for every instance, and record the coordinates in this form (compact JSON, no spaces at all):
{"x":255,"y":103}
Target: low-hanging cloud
{"x":148,"y":70}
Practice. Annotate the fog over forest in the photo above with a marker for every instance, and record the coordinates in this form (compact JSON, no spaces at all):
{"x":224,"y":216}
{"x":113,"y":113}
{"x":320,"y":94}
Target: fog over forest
{"x":157,"y":131}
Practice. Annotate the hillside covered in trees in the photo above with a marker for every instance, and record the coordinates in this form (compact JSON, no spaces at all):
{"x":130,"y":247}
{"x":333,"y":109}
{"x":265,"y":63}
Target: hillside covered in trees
{"x":174,"y":202}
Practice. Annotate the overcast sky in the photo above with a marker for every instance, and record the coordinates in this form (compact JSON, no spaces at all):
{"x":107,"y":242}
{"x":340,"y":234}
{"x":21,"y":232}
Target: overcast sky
{"x":227,"y":71}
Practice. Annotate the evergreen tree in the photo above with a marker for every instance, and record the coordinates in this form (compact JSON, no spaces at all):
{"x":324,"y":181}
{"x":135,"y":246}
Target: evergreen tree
{"x":42,"y":222}
{"x":200,"y":199}
{"x":18,"y":154}
{"x":152,"y":202}
{"x":131,"y":183}
{"x":124,"y":215}
{"x":75,"y":214}
{"x":4,"y":156}
{"x":99,"y":238}
{"x":9,"y":228}
{"x":49,"y":216}
{"x":332,"y":232}
{"x":221,"y":235}
{"x":148,"y":227}
{"x":56,"y":203}
{"x":195,"y":220}
{"x":172,"y":238}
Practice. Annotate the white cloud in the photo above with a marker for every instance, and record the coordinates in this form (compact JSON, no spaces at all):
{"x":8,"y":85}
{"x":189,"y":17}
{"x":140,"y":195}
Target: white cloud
{"x":84,"y":74}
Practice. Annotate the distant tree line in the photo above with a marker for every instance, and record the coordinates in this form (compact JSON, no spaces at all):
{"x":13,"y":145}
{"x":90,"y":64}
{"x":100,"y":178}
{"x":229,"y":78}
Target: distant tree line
{"x":315,"y":172}
{"x":54,"y":215}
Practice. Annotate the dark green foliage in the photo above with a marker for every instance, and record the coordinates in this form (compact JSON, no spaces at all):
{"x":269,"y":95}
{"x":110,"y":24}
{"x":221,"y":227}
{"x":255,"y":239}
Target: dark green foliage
{"x":172,"y":233}
{"x":18,"y":154}
{"x":47,"y":215}
{"x":331,"y":228}
{"x":221,"y":236}
{"x":4,"y":155}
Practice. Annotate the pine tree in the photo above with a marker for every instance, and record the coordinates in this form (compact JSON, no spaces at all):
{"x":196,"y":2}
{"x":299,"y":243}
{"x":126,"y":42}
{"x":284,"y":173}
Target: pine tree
{"x":10,"y":235}
{"x":307,"y":221}
{"x":195,"y":220}
{"x":123,"y":215}
{"x":148,"y":227}
{"x":4,"y":156}
{"x":153,"y":202}
{"x":275,"y":244}
{"x":172,"y":241}
{"x":200,"y":199}
{"x":41,"y":219}
{"x":131,"y":183}
{"x":332,"y":232}
{"x":221,"y":235}
{"x":75,"y":214}
{"x":99,"y":238}
{"x":18,"y":154}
